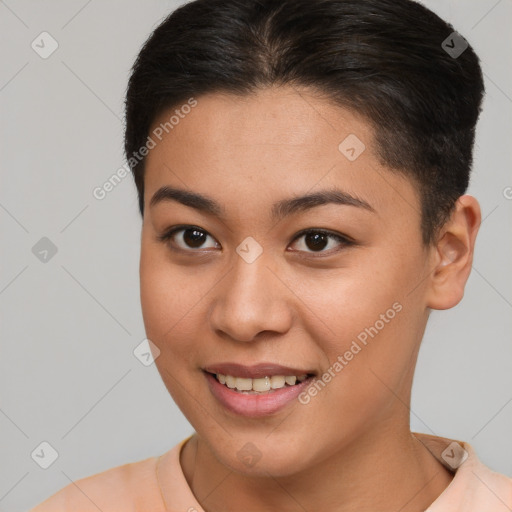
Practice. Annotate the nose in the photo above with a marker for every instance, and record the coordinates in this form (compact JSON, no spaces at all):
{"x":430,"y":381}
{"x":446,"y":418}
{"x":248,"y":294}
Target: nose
{"x":250,"y":302}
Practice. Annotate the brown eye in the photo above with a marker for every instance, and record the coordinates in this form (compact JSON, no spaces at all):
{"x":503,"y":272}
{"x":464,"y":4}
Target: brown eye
{"x":194,"y":238}
{"x":188,"y":238}
{"x":315,"y":241}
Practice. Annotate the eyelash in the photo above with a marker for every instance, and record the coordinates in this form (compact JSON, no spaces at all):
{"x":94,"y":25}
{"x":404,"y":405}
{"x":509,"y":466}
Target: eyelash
{"x":343,"y":240}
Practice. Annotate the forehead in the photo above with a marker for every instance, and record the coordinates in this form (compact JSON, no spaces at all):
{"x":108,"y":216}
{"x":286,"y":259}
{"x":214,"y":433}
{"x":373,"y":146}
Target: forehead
{"x":276,"y":116}
{"x":276,"y":142}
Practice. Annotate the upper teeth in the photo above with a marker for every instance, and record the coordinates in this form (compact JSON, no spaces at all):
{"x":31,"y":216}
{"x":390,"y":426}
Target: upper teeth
{"x":262,"y":384}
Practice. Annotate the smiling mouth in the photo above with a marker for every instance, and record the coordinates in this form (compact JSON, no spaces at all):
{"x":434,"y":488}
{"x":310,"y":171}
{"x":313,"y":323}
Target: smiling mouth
{"x":267,"y":384}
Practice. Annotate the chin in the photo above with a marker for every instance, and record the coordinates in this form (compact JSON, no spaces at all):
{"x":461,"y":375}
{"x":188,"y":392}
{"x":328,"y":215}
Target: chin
{"x":261,"y":456}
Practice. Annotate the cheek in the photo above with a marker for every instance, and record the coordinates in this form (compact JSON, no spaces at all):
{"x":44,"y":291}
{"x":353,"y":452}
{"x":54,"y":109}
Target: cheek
{"x":353,"y":304}
{"x":375,"y":325}
{"x":167,"y":300}
{"x":167,"y":292}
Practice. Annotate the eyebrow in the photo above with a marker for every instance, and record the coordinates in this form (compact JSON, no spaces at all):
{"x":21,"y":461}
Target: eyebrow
{"x":279,"y":210}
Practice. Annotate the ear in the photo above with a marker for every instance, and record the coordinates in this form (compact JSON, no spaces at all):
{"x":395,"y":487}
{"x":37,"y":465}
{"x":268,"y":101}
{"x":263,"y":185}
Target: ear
{"x":452,"y":255}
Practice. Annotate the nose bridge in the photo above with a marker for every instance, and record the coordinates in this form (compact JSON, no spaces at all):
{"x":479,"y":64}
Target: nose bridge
{"x":250,"y":299}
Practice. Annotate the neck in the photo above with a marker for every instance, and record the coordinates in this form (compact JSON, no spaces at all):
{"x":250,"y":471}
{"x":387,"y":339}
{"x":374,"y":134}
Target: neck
{"x":385,"y":469}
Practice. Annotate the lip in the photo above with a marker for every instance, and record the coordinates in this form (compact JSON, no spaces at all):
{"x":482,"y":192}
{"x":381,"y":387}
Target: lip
{"x":256,"y":371}
{"x":257,"y":405}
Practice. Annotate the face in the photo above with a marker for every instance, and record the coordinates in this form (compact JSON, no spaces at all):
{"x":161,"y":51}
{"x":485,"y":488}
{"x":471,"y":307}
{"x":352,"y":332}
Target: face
{"x":240,"y":290}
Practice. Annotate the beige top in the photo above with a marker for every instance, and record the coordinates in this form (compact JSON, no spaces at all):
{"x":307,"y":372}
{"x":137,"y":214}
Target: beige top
{"x":157,"y":484}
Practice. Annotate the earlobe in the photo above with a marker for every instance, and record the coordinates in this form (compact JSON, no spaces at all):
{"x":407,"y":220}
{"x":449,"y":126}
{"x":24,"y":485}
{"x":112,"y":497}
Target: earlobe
{"x":452,"y":256}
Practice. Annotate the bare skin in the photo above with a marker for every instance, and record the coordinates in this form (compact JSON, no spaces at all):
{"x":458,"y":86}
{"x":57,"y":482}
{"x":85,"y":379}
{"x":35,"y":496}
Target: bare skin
{"x":350,"y":448}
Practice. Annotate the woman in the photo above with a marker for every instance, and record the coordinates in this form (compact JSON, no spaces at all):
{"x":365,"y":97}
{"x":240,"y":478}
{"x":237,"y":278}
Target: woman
{"x":301,"y":169}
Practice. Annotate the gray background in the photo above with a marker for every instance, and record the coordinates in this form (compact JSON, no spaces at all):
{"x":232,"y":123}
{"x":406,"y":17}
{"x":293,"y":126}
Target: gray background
{"x":69,"y":326}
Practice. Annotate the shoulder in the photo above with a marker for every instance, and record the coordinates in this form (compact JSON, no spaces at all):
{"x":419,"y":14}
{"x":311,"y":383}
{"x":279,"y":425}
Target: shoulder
{"x":491,"y":488}
{"x":130,"y":487}
{"x":475,"y":487}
